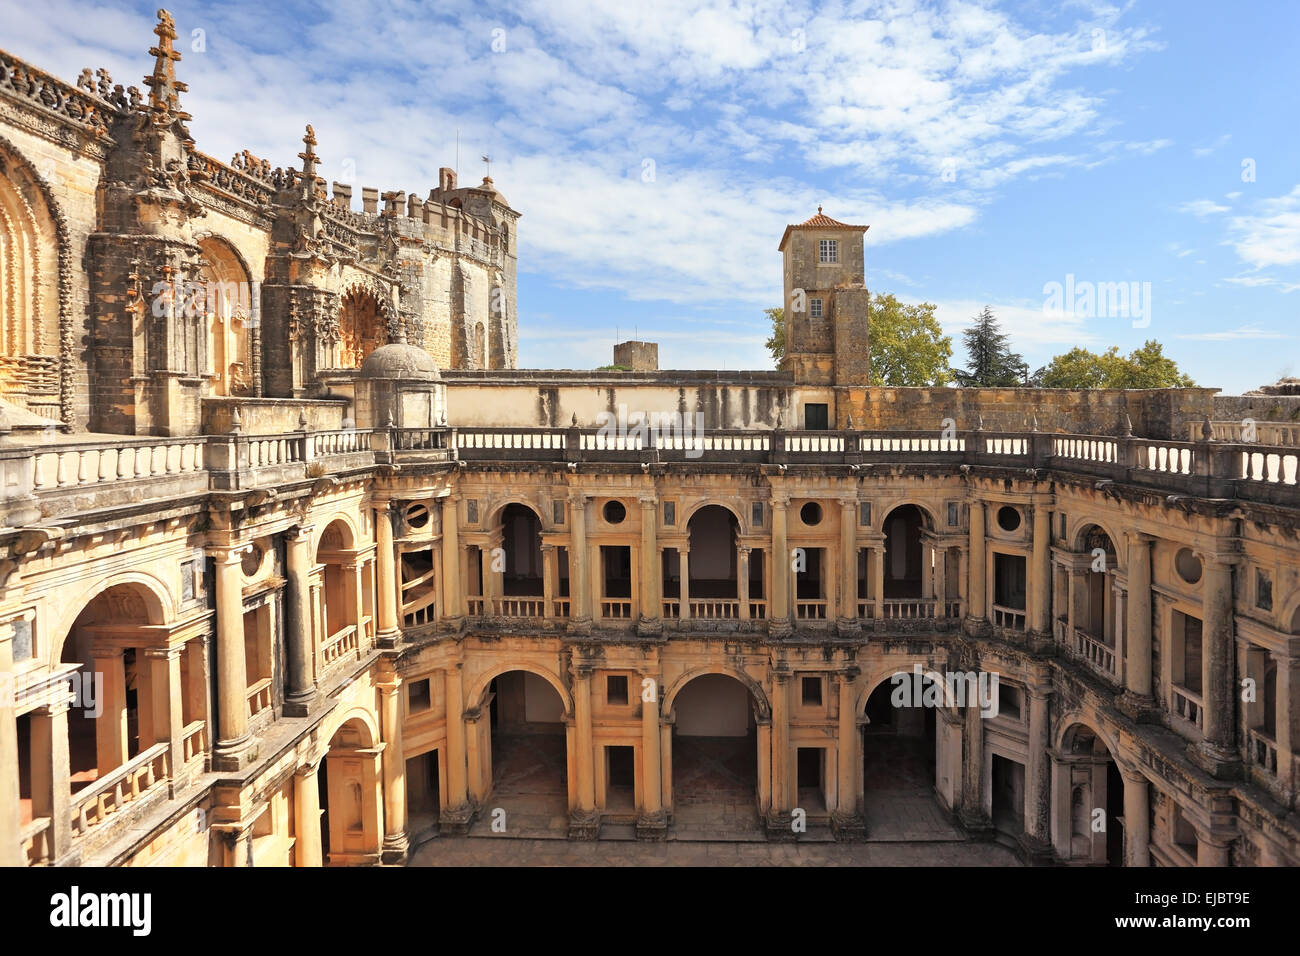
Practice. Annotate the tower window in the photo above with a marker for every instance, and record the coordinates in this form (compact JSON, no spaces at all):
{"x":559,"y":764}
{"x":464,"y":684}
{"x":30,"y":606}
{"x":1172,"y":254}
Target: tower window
{"x":815,"y":308}
{"x":828,"y":250}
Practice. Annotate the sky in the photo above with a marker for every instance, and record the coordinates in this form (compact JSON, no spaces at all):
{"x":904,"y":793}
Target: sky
{"x":1022,"y":156}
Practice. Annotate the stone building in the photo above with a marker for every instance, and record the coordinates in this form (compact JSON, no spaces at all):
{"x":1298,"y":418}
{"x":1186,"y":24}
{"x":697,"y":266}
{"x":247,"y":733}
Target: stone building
{"x":307,"y":578}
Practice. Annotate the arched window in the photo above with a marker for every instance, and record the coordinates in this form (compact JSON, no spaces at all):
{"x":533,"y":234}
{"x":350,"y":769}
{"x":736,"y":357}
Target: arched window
{"x":29,"y":292}
{"x":228,"y":307}
{"x":362,"y":327}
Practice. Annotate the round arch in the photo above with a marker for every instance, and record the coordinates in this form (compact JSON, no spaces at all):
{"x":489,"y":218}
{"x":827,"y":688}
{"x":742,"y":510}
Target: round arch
{"x":227,"y":309}
{"x":493,"y":514}
{"x":929,"y":520}
{"x":37,"y":283}
{"x":157,"y":605}
{"x":868,"y":687}
{"x":478,"y":691}
{"x":1078,"y":532}
{"x":1072,"y":720}
{"x":340,"y":518}
{"x":729,"y":506}
{"x":358,"y":714}
{"x":1290,"y":619}
{"x":754,"y":688}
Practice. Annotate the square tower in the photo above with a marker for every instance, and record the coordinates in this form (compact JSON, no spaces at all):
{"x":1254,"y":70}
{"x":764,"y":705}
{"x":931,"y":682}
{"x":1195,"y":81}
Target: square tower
{"x":826,"y":302}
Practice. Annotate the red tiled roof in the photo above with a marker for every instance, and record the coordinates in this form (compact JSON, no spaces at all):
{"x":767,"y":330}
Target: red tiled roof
{"x":818,"y":221}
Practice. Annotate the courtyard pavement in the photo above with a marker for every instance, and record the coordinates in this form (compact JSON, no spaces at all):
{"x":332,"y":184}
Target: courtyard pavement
{"x":472,"y":851}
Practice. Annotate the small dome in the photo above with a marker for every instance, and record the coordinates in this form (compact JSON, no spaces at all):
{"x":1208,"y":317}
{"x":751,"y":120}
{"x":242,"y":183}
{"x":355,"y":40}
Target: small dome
{"x":400,"y":360}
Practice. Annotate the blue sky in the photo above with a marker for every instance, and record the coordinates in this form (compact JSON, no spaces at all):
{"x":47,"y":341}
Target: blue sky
{"x":657,"y":151}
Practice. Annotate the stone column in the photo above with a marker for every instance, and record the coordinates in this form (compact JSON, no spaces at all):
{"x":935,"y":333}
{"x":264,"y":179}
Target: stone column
{"x":1137,"y":641}
{"x":52,"y":774}
{"x":584,"y":822}
{"x":1137,"y":821}
{"x":976,"y":591}
{"x":111,"y":745}
{"x":387,"y":634}
{"x":742,"y":581}
{"x":1217,"y":660}
{"x":684,"y":562}
{"x":1038,"y":772}
{"x":652,"y":823}
{"x":972,"y":799}
{"x":651,"y":604}
{"x":779,"y":611}
{"x":1211,"y":852}
{"x":849,"y":562}
{"x":394,"y":767}
{"x":306,"y":816}
{"x":847,"y":818}
{"x":1040,"y":576}
{"x":493,"y":569}
{"x":878,"y":581}
{"x":456,"y":813}
{"x":233,"y":739}
{"x":940,"y":581}
{"x":548,"y":581}
{"x":453,"y":588}
{"x":780,"y":815}
{"x":165,"y":703}
{"x":579,"y":593}
{"x":301,"y":648}
{"x":11,"y":828}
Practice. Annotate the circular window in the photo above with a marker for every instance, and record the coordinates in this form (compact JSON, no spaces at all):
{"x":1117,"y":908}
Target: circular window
{"x":417,"y":516}
{"x":1188,"y":566}
{"x":1008,"y":518}
{"x":614,"y":512}
{"x":811,"y":513}
{"x":251,"y":562}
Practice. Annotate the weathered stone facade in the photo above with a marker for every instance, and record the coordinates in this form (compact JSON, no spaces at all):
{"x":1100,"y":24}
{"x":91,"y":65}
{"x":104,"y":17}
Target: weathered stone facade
{"x":305,"y":617}
{"x":144,"y":275}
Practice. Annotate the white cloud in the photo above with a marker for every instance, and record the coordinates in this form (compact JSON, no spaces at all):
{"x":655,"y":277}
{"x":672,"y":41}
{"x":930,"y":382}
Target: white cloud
{"x":1231,"y":335}
{"x":1202,"y":207}
{"x":1217,"y":144}
{"x":1270,"y":236}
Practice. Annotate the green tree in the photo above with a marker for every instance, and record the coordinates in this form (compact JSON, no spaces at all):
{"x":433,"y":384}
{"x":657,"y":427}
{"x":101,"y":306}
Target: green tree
{"x":776,"y":343}
{"x":1146,"y":367}
{"x":991,"y":363}
{"x":907,"y":344}
{"x":908,"y":347}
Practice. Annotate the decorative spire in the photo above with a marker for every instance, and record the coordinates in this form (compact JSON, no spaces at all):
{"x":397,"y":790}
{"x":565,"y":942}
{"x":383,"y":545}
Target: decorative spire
{"x":164,"y":102}
{"x":309,"y":158}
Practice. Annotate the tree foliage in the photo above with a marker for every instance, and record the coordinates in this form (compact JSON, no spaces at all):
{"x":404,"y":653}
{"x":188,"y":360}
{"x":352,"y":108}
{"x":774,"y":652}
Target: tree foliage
{"x":991,"y":363}
{"x":776,"y":342}
{"x":908,"y":347}
{"x":907,"y":343}
{"x":1145,"y":367}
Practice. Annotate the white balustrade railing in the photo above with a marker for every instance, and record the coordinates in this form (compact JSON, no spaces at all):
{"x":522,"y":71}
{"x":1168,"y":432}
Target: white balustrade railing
{"x":82,"y":466}
{"x":1086,"y":449}
{"x":1168,"y":457}
{"x":113,"y":792}
{"x":1096,"y":653}
{"x":1188,"y":704}
{"x":1012,"y":618}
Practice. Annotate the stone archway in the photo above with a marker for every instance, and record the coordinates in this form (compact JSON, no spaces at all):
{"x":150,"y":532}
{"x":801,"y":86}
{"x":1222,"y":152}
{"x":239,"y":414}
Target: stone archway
{"x":524,"y":765}
{"x":713,"y":758}
{"x":363,"y":326}
{"x":228,"y":310}
{"x":1088,"y":799}
{"x":903,"y":740}
{"x":350,"y":785}
{"x":30,"y":292}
